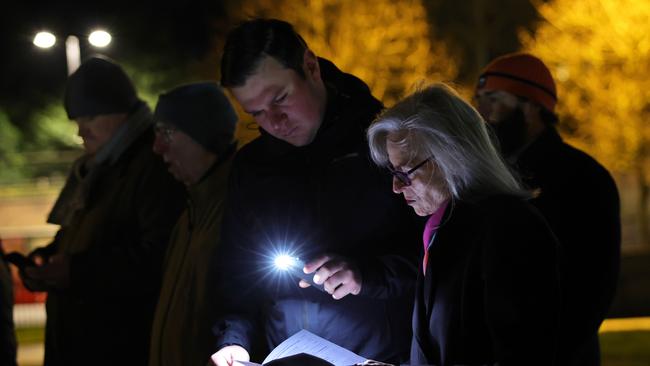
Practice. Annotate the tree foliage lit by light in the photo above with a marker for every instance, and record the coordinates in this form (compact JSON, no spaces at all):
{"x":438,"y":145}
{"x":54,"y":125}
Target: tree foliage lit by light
{"x":599,"y":52}
{"x":385,"y":43}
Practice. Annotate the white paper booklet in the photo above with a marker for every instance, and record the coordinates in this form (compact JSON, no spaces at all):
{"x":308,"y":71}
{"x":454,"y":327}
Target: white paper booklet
{"x":309,"y":343}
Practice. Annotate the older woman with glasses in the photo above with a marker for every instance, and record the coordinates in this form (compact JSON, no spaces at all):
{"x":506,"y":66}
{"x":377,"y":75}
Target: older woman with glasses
{"x":488,"y":290}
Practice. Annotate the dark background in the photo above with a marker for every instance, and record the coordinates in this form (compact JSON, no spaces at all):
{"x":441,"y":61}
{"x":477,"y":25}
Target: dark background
{"x":152,"y":36}
{"x":178,"y":41}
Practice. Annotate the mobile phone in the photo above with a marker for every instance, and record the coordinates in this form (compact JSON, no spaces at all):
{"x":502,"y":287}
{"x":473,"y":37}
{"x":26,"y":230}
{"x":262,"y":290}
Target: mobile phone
{"x":296,"y":270}
{"x":294,"y":267}
{"x":19,"y":260}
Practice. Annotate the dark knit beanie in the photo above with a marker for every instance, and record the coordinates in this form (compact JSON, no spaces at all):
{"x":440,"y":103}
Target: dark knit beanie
{"x":523,"y":75}
{"x":202,"y":111}
{"x":99,"y":86}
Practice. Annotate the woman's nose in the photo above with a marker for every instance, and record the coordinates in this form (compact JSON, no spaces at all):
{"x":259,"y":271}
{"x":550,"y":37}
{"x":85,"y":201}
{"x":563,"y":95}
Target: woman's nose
{"x":398,"y":186}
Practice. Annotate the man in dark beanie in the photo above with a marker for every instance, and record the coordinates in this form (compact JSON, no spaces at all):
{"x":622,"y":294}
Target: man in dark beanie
{"x":516,"y":95}
{"x":102,"y":271}
{"x":195,"y":126}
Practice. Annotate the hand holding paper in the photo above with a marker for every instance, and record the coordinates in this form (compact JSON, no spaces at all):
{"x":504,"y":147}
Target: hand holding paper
{"x":230,"y":355}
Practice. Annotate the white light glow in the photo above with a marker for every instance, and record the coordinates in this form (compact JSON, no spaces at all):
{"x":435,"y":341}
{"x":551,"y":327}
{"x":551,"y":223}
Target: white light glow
{"x":284,"y":261}
{"x":99,"y":38}
{"x":44,"y":39}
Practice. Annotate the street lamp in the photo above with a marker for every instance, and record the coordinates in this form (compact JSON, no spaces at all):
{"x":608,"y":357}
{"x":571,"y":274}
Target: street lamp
{"x":98,"y":38}
{"x":44,"y":40}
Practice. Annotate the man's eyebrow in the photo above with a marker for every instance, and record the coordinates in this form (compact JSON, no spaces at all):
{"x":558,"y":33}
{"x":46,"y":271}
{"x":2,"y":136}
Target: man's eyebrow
{"x":273,"y":91}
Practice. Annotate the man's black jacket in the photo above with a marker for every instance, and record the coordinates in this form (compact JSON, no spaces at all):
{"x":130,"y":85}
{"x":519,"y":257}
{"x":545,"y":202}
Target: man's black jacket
{"x":327,"y":197}
{"x":579,"y":199}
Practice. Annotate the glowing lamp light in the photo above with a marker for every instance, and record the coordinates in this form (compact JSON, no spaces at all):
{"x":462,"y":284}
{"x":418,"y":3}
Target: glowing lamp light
{"x":44,"y":40}
{"x":100,"y":38}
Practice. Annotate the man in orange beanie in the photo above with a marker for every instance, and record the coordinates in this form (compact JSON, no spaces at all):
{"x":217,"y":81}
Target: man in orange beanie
{"x":516,"y":96}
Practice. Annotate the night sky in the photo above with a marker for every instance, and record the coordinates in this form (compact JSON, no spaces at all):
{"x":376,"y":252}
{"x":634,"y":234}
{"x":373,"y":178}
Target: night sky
{"x":154,"y":34}
{"x":163,"y":37}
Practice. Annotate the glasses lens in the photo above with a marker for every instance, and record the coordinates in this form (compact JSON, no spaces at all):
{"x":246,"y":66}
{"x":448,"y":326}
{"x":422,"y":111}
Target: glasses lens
{"x":401,"y":176}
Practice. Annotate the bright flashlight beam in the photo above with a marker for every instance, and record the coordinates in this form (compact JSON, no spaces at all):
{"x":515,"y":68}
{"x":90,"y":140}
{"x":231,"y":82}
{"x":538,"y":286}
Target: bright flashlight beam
{"x":99,"y":38}
{"x":44,"y":39}
{"x":294,"y":266}
{"x":284,"y":261}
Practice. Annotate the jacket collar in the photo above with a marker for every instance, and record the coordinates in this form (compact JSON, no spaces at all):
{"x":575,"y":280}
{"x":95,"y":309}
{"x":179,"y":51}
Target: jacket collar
{"x":538,"y":150}
{"x":136,"y":124}
{"x":206,"y":184}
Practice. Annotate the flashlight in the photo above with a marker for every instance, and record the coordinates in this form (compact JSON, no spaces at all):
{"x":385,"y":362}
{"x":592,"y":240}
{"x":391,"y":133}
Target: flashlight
{"x":294,"y":266}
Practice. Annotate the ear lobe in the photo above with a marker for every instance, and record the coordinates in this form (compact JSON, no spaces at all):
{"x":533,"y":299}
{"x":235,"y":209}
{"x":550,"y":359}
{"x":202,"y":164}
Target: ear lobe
{"x":310,"y":64}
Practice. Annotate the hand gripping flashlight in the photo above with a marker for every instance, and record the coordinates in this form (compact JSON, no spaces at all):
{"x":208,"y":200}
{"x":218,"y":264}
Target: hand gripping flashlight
{"x":294,"y":266}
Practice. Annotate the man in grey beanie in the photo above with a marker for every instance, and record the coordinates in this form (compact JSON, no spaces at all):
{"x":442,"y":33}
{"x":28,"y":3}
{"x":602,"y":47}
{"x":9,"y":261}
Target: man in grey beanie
{"x":102,"y":270}
{"x":195,"y":126}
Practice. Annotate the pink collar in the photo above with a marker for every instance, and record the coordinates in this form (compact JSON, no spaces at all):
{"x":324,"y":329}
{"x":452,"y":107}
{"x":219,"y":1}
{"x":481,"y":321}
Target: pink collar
{"x":433,"y":223}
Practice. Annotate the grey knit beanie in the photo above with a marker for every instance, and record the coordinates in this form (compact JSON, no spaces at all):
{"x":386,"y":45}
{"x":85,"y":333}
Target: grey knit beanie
{"x":202,"y":111}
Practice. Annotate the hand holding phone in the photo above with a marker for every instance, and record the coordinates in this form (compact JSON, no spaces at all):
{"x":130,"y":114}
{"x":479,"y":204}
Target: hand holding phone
{"x":340,"y":276}
{"x":294,"y":265}
{"x":296,"y":271}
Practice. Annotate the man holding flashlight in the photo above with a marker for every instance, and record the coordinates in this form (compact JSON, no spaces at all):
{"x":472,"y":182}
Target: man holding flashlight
{"x":306,"y":186}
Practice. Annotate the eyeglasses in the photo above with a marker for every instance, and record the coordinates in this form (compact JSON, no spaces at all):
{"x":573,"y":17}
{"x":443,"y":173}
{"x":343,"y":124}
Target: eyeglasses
{"x":403,"y":177}
{"x":166,"y":131}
